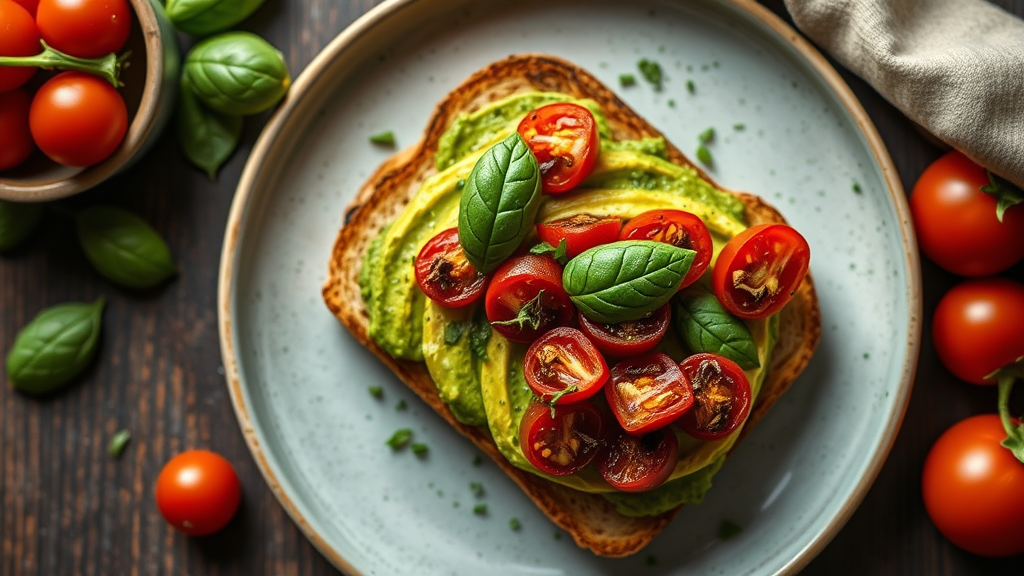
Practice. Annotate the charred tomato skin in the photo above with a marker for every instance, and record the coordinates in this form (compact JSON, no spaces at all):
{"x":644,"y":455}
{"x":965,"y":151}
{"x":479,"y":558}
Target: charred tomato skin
{"x":759,"y":270}
{"x":563,"y":366}
{"x":721,"y":396}
{"x":638,"y":463}
{"x":445,"y":275}
{"x":562,"y":443}
{"x":628,"y":338}
{"x":648,"y":392}
{"x":564,"y":138}
{"x":519,"y":281}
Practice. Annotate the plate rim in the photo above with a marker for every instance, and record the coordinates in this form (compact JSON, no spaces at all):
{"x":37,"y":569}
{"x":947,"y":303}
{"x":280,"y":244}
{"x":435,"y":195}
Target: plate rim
{"x":254,"y":166}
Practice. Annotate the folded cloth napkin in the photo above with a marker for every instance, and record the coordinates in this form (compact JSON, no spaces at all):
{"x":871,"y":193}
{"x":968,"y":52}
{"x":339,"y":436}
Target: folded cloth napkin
{"x":956,"y":67}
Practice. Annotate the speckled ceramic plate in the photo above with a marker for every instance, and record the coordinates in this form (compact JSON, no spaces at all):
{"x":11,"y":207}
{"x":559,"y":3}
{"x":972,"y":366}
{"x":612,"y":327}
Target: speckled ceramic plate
{"x":786,"y":128}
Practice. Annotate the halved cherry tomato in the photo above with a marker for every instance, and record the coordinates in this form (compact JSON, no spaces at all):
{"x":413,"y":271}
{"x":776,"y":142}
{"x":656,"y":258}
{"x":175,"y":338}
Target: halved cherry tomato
{"x":628,"y":338}
{"x":525,"y":298}
{"x":85,"y":28}
{"x":563,"y":137}
{"x":15,"y":138}
{"x":445,"y":275}
{"x":648,"y":392}
{"x":580,"y":232}
{"x":759,"y":270}
{"x":638,"y":463}
{"x":18,"y":37}
{"x":78,"y":119}
{"x":564,"y":367}
{"x":678,"y":228}
{"x":562,"y":444}
{"x":722,"y":396}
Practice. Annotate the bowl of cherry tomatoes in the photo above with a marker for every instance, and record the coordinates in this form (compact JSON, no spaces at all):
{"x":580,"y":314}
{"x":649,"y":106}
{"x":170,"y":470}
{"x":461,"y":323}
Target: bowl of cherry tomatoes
{"x":86,"y":86}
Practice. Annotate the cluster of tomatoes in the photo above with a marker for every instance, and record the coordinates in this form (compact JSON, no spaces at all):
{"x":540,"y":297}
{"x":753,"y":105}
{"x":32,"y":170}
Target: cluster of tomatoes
{"x":973,"y":487}
{"x":75,"y":118}
{"x":626,"y":431}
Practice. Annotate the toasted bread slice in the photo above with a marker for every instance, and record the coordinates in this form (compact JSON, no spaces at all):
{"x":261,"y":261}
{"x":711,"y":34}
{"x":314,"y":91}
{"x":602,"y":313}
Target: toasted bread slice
{"x":590,"y":519}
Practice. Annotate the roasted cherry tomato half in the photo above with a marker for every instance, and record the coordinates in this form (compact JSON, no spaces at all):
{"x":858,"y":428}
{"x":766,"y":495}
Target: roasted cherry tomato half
{"x":759,"y":270}
{"x":564,"y":367}
{"x":678,"y":228}
{"x":15,"y":137}
{"x":580,"y":232}
{"x":563,"y":137}
{"x":564,"y":443}
{"x":721,"y":396}
{"x":525,"y":298}
{"x":198,"y":492}
{"x":628,"y":338}
{"x":18,"y":37}
{"x":445,"y":275}
{"x":85,"y":28}
{"x":638,"y":463}
{"x":648,"y":392}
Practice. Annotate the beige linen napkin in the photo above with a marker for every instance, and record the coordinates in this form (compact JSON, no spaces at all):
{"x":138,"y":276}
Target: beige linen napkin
{"x":956,"y":67}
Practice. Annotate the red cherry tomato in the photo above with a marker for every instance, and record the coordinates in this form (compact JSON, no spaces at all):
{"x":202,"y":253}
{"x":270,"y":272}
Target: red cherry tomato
{"x":973,"y":488}
{"x":29,"y":6}
{"x":648,"y":392}
{"x":676,"y":227}
{"x":721,"y":396}
{"x":85,"y":28}
{"x":198,"y":492}
{"x":18,"y":37}
{"x":562,"y":365}
{"x":525,"y":298}
{"x":628,"y":338}
{"x":15,"y":137}
{"x":978,"y":327}
{"x":564,"y":139}
{"x":563,"y":444}
{"x":445,"y":275}
{"x":759,"y":269}
{"x":638,"y":463}
{"x":78,"y":119}
{"x":580,"y":232}
{"x":956,"y":222}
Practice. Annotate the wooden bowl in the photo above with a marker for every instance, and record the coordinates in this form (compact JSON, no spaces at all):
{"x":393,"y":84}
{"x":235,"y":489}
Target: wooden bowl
{"x":150,"y":84}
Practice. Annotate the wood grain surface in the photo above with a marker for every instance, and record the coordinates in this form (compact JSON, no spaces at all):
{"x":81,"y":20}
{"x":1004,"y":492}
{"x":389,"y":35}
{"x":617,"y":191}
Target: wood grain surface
{"x":67,"y":508}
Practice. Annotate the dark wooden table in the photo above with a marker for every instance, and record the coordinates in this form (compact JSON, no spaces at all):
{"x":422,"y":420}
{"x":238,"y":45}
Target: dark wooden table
{"x":67,"y":508}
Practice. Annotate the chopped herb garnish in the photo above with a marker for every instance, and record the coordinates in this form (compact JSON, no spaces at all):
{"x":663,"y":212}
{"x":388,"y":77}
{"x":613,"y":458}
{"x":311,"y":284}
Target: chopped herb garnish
{"x":477,"y":489}
{"x":480,"y":509}
{"x":856,"y":187}
{"x":691,"y":87}
{"x":419,"y":448}
{"x":477,"y":460}
{"x":401,"y":405}
{"x":728,"y":529}
{"x":514,"y":524}
{"x":383,"y":138}
{"x":479,"y":335}
{"x":558,"y":253}
{"x":651,"y":71}
{"x":118,"y":443}
{"x":530,"y":314}
{"x":400,"y":438}
{"x":376,"y":391}
{"x":558,"y":535}
{"x":453,"y":332}
{"x":567,"y":390}
{"x":739,"y":126}
{"x":460,"y":184}
{"x":704,"y":155}
{"x":707,"y":135}
{"x":671,"y":103}
{"x":627,"y":79}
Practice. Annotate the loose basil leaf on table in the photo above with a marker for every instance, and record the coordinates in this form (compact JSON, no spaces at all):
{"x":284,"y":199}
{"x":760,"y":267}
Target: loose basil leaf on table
{"x":704,"y":325}
{"x":207,"y":137}
{"x":17,"y":221}
{"x":625,"y":280}
{"x":202,"y":17}
{"x":123,"y":247}
{"x":237,"y":73}
{"x":499,"y":203}
{"x":55,"y":346}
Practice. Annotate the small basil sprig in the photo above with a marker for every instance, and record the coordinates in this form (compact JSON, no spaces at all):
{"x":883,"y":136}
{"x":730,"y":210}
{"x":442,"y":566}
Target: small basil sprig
{"x":123,"y":247}
{"x":704,"y":325}
{"x":499,"y":203}
{"x":17,"y":220}
{"x":55,"y":346}
{"x":625,"y":280}
{"x":237,"y":73}
{"x":207,"y":137}
{"x":202,"y":17}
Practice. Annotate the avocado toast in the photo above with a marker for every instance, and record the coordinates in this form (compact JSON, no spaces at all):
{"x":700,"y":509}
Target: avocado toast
{"x":465,"y":121}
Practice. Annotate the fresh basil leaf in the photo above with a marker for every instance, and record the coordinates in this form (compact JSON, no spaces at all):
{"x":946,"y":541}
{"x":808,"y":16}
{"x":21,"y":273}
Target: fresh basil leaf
{"x":55,"y":346}
{"x":17,"y":221}
{"x":207,"y":137}
{"x":237,"y":73}
{"x":202,"y":17}
{"x":704,"y":325}
{"x":625,"y":280}
{"x":499,"y":203}
{"x":123,"y":247}
{"x":558,"y":253}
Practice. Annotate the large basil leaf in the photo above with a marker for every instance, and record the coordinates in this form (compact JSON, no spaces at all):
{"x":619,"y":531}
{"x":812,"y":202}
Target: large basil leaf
{"x":704,"y":325}
{"x":207,"y":137}
{"x":626,"y":280}
{"x":202,"y":17}
{"x":17,"y":220}
{"x":237,"y":73}
{"x":499,"y":203}
{"x":55,"y":346}
{"x":123,"y":247}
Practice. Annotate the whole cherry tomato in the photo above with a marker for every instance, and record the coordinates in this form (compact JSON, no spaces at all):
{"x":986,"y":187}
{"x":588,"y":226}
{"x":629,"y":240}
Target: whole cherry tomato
{"x":759,"y":270}
{"x":580,"y":232}
{"x":628,"y":338}
{"x":678,"y":228}
{"x":563,"y":367}
{"x":978,"y":327}
{"x":562,"y":443}
{"x":648,"y":392}
{"x":563,"y":137}
{"x":198,"y":492}
{"x":638,"y":463}
{"x":526,"y":299}
{"x":445,"y":275}
{"x":85,"y":28}
{"x":721,"y":396}
{"x":18,"y":37}
{"x":973,"y":488}
{"x":956,"y":222}
{"x":15,"y":137}
{"x":78,"y":119}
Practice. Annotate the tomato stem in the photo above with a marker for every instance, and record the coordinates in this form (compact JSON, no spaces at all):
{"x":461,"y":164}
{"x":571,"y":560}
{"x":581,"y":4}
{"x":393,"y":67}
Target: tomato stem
{"x":107,"y":67}
{"x":1014,"y":441}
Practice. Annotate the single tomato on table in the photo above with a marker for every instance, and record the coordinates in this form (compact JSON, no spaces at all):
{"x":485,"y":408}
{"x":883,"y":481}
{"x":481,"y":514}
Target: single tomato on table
{"x":721,"y":396}
{"x":956,"y":222}
{"x":628,"y":338}
{"x":561,"y":440}
{"x":19,"y":36}
{"x":638,"y":463}
{"x":198,"y":492}
{"x":78,"y":119}
{"x":526,"y":299}
{"x":563,"y":136}
{"x":580,"y":232}
{"x":759,"y":270}
{"x":84,"y":28}
{"x":445,"y":275}
{"x":648,"y":392}
{"x":563,"y":367}
{"x":678,"y":228}
{"x":15,"y":137}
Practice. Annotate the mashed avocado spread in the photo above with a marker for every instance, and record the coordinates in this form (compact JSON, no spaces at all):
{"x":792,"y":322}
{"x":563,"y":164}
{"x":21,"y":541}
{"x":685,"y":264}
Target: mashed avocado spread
{"x":478,"y":372}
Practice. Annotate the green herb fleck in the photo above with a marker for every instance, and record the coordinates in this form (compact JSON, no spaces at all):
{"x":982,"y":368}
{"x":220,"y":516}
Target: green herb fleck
{"x":514,"y":524}
{"x":651,"y":560}
{"x":530,"y":314}
{"x":460,"y":184}
{"x":118,"y":443}
{"x":707,"y":136}
{"x":477,"y":489}
{"x":400,"y":439}
{"x":691,"y":87}
{"x":479,"y":335}
{"x":728,"y":529}
{"x":477,"y":460}
{"x":376,"y":392}
{"x":704,"y":155}
{"x":480,"y":509}
{"x":558,"y":253}
{"x":567,"y":390}
{"x":651,"y":71}
{"x":627,"y":79}
{"x":856,"y":187}
{"x":401,"y":405}
{"x":453,"y":332}
{"x":671,"y":103}
{"x":383,"y":138}
{"x":739,"y":127}
{"x":420,"y":449}
{"x":558,"y":535}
